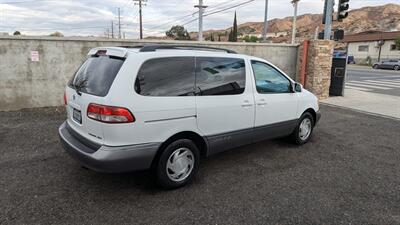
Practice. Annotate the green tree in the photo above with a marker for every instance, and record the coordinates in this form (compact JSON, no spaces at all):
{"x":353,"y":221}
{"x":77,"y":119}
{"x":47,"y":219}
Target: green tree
{"x":250,"y":38}
{"x":212,"y":37}
{"x":57,"y":34}
{"x":234,"y":31}
{"x":17,"y":33}
{"x":397,"y":42}
{"x":178,"y":33}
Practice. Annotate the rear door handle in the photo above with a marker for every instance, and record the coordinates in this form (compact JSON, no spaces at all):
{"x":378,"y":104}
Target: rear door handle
{"x":246,"y":103}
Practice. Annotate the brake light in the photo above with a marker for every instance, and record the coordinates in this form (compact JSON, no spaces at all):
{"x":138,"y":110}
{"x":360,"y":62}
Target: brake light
{"x":109,"y":114}
{"x":101,"y":52}
{"x":65,"y":98}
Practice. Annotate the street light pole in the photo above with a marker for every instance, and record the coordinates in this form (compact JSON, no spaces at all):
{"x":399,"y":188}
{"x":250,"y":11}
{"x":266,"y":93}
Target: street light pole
{"x":265,"y":30}
{"x":295,"y":3}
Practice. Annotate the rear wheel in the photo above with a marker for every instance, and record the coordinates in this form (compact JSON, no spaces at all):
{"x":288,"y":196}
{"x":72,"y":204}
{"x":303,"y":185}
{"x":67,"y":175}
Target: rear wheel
{"x":375,"y":67}
{"x":304,"y":129}
{"x":396,"y":68}
{"x":178,"y":164}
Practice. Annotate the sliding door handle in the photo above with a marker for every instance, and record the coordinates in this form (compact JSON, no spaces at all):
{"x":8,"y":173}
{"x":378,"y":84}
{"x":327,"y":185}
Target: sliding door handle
{"x":247,"y":103}
{"x":261,"y":102}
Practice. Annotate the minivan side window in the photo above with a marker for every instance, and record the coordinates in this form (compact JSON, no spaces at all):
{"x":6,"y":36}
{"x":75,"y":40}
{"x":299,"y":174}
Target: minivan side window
{"x":220,"y":76}
{"x":172,"y":76}
{"x":269,"y":80}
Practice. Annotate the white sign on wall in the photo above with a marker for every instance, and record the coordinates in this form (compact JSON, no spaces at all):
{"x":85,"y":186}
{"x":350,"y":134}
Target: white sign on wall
{"x":34,"y":56}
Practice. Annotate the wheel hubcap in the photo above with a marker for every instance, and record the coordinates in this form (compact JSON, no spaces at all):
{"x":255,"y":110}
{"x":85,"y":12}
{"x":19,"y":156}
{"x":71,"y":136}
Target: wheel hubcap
{"x":180,"y":164}
{"x":305,"y":129}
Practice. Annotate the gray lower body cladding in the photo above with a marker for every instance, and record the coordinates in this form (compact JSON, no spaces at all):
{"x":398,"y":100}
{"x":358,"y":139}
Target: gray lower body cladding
{"x":140,"y":156}
{"x":108,"y":159}
{"x":222,"y":142}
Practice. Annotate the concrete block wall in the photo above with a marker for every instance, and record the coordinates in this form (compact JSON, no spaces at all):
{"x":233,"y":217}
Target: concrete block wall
{"x":27,"y":84}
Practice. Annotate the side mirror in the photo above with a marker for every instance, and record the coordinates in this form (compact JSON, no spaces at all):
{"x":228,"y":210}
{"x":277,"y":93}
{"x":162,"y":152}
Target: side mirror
{"x":298,"y":87}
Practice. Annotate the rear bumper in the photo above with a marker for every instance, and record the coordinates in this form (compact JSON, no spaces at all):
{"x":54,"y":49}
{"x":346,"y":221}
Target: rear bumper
{"x":106,"y":158}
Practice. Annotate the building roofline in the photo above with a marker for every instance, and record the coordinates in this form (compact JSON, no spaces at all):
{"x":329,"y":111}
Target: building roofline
{"x":371,"y":36}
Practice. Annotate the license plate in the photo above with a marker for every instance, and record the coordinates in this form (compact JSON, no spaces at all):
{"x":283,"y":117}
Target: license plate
{"x":77,"y":116}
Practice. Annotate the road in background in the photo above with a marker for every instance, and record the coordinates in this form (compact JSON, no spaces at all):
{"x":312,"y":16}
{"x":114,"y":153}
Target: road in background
{"x":377,"y":81}
{"x":370,"y":90}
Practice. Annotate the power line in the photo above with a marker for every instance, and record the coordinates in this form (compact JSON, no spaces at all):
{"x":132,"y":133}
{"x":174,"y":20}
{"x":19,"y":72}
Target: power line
{"x":230,"y":7}
{"x":195,"y":19}
{"x":221,"y":10}
{"x":46,"y":28}
{"x":173,"y":21}
{"x":220,"y":4}
{"x":22,"y":2}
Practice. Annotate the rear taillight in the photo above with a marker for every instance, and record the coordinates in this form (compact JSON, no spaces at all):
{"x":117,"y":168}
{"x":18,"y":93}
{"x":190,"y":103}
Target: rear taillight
{"x":65,"y":98}
{"x":109,"y":114}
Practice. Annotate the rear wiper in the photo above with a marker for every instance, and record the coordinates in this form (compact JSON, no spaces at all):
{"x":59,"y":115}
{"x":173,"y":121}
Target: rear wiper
{"x":80,"y":85}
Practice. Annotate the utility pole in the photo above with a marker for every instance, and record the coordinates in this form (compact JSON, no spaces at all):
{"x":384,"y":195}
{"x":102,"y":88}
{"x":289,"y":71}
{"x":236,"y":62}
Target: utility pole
{"x":265,"y":30}
{"x":201,"y":11}
{"x":119,"y":23}
{"x":328,"y":19}
{"x":295,"y":4}
{"x":140,"y":15}
{"x":112,"y":29}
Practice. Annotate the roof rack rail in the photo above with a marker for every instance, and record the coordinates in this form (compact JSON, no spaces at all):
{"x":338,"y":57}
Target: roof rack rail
{"x":133,"y":46}
{"x":152,"y":48}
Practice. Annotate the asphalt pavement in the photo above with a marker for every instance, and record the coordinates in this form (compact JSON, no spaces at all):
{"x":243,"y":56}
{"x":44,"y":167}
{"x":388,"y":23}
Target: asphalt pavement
{"x":348,"y":174}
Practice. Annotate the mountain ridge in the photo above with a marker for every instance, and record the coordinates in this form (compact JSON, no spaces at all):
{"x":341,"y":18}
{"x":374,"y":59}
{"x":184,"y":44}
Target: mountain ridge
{"x":380,"y":18}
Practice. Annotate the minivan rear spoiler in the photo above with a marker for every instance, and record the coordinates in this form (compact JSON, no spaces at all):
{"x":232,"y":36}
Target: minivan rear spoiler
{"x":111,"y":51}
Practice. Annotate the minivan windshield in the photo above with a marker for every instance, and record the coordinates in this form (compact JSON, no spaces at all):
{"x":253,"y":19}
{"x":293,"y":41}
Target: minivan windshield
{"x":96,"y":75}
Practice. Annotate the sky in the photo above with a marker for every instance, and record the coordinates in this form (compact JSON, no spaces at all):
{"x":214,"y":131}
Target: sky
{"x":94,"y":17}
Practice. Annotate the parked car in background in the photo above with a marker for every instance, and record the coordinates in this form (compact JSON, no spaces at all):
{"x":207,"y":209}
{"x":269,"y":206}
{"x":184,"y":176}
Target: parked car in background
{"x":339,"y":54}
{"x":350,"y":60}
{"x":166,"y":107}
{"x":392,"y":64}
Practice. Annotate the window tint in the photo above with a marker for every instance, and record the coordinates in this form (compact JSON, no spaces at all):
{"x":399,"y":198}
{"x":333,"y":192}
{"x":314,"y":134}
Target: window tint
{"x":173,"y":76}
{"x":220,"y":76}
{"x":269,"y":80}
{"x":96,"y":75}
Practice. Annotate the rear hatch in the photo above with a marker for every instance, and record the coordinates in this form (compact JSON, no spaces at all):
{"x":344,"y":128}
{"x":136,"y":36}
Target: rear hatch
{"x":90,"y":85}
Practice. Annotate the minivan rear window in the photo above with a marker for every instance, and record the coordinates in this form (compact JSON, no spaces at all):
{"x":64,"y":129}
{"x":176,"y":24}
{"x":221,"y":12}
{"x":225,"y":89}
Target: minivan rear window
{"x":96,"y":75}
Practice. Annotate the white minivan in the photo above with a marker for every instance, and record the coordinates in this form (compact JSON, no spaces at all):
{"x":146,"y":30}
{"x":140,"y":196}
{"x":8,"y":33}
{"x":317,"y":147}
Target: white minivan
{"x":164,"y":107}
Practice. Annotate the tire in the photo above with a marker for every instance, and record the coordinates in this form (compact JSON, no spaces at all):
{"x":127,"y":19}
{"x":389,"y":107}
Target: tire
{"x":178,"y":164}
{"x":396,"y":68}
{"x":375,"y":67}
{"x":299,"y":135}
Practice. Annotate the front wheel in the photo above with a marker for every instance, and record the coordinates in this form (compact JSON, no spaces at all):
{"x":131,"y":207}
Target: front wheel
{"x":396,"y":68}
{"x":375,"y":67}
{"x":304,"y":129}
{"x":178,"y":164}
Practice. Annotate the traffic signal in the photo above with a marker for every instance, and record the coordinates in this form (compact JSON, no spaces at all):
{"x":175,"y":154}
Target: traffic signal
{"x":343,"y":10}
